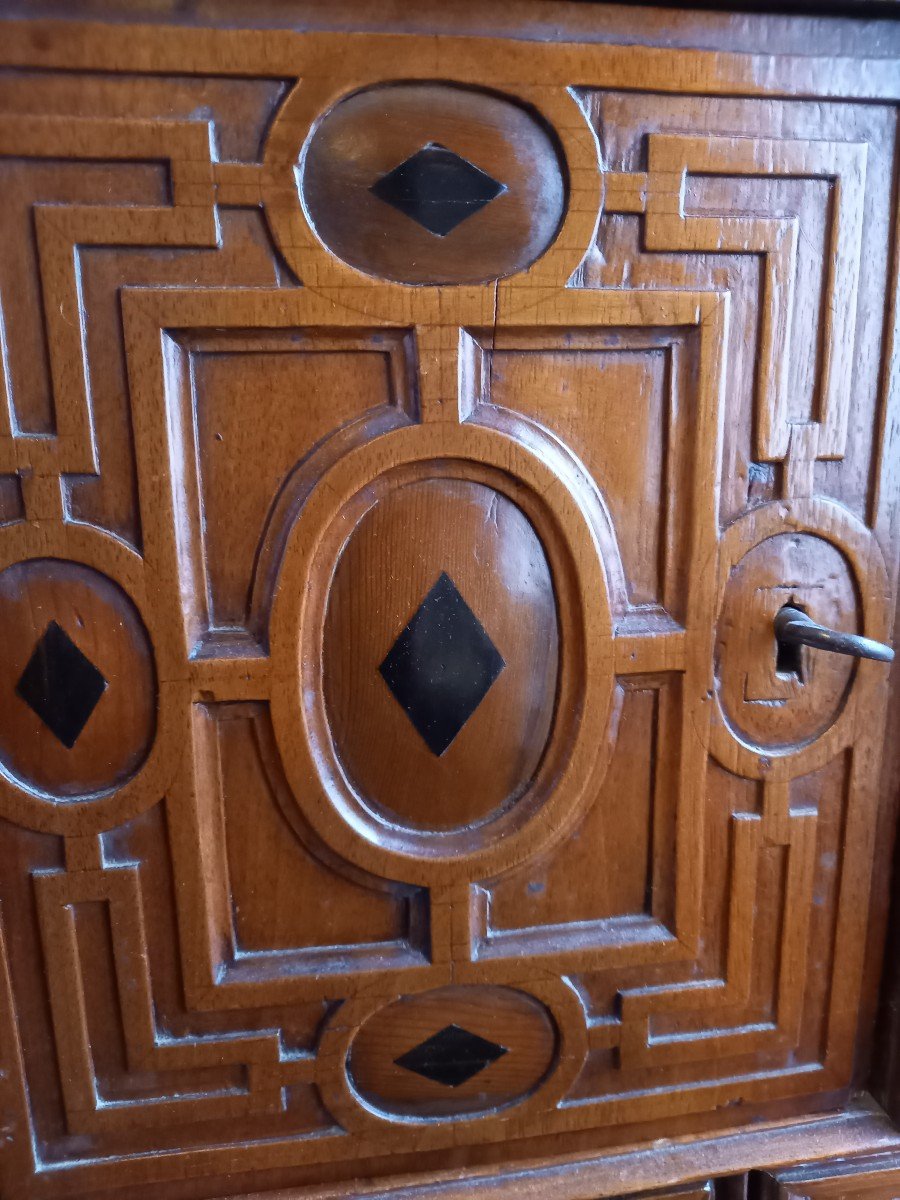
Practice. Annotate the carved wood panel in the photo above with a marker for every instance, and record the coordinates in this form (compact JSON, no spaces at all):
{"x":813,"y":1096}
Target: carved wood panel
{"x":399,"y":483}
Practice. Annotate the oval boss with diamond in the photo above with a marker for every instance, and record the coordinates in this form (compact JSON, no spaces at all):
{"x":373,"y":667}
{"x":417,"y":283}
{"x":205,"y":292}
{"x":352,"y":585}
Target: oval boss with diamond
{"x":433,"y":183}
{"x":78,"y":678}
{"x":461,"y":651}
{"x":453,"y":1052}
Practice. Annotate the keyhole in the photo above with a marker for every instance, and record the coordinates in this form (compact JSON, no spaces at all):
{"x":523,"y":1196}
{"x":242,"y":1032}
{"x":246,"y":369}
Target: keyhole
{"x":788,"y":655}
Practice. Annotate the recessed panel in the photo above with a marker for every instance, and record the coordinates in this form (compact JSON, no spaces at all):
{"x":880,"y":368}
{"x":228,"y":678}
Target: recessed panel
{"x":11,"y":506}
{"x":619,"y":861}
{"x":269,"y":407}
{"x":272,"y":873}
{"x":621,"y":402}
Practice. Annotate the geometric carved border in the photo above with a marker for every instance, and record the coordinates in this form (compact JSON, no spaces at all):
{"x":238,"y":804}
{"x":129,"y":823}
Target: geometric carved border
{"x":659,"y":195}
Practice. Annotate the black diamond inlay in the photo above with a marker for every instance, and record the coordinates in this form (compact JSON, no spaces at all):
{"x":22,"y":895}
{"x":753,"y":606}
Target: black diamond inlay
{"x":61,"y":685}
{"x":441,"y":666}
{"x":451,"y":1056}
{"x":437,"y":188}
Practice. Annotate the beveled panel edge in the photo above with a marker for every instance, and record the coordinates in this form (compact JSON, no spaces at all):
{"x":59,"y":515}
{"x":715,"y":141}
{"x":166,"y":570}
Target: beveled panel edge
{"x":861,"y":1129}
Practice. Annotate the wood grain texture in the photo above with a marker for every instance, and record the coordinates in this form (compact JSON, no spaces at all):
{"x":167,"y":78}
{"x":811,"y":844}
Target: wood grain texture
{"x":679,"y":1162}
{"x":375,"y":132}
{"x":869,"y":1178}
{"x":502,"y":574}
{"x":433,"y":811}
{"x":94,"y":653}
{"x":520,"y":1048}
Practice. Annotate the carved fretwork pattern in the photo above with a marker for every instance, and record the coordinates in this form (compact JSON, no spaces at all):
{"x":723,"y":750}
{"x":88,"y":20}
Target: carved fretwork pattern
{"x":671,"y":895}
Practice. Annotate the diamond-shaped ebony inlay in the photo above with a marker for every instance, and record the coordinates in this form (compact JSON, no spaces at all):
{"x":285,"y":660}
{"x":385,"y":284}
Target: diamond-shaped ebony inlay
{"x":61,"y":685}
{"x":442,"y":665}
{"x":451,"y":1056}
{"x":437,"y":188}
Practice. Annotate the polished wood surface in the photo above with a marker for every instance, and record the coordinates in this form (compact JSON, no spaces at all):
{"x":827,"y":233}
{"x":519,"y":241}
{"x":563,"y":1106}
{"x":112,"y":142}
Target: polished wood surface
{"x":412,"y":423}
{"x":868,"y":1178}
{"x":368,"y":135}
{"x":402,"y":546}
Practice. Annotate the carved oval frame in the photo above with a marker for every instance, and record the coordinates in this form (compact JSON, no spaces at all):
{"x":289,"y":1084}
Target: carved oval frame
{"x":835,"y":524}
{"x":355,"y":1114}
{"x":579,"y":747}
{"x":311,"y":100}
{"x":91,"y":814}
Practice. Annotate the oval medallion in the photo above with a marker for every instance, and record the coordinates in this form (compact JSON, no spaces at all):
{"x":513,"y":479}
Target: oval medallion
{"x":441,"y":654}
{"x":777,"y":699}
{"x":431,"y":183}
{"x":452,"y":1052}
{"x":77,"y":679}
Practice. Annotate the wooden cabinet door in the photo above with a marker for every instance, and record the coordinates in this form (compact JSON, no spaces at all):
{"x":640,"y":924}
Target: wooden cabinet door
{"x":407,"y":442}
